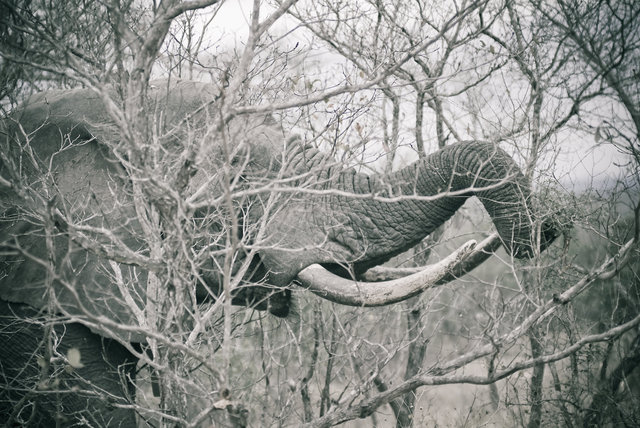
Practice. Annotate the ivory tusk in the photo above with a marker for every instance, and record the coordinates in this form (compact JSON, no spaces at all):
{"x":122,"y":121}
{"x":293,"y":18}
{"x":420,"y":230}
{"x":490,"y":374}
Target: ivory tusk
{"x":356,"y":293}
{"x":480,"y":253}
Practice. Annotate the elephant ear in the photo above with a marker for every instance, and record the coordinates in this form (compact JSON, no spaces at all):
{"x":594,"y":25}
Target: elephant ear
{"x":61,"y":174}
{"x":60,"y":157}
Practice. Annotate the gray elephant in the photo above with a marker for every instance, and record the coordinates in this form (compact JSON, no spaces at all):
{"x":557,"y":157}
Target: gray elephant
{"x":75,"y":258}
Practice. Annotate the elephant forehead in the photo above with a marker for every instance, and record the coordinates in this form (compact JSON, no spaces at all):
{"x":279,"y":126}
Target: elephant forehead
{"x":251,"y":147}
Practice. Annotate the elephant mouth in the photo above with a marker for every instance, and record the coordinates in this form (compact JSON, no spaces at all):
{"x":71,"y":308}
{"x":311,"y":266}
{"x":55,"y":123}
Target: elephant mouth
{"x":365,"y":293}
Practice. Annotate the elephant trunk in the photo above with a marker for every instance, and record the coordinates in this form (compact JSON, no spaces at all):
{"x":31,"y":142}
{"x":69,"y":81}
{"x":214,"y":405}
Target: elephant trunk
{"x":373,"y":218}
{"x":486,"y":171}
{"x":422,"y":197}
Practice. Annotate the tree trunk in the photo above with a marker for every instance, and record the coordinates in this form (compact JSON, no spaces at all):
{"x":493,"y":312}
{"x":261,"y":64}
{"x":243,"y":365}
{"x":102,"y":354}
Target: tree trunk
{"x":537,"y":378}
{"x":417,"y":351}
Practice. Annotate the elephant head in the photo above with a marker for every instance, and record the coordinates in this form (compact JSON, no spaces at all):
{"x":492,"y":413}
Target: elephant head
{"x":329,"y":215}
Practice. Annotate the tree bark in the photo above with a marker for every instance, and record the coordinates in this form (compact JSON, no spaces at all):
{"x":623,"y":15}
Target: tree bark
{"x":537,"y":378}
{"x":417,"y":351}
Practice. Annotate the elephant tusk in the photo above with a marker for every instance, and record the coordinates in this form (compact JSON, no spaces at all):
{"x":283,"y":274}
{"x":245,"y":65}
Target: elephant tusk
{"x":355,"y":293}
{"x":480,"y":253}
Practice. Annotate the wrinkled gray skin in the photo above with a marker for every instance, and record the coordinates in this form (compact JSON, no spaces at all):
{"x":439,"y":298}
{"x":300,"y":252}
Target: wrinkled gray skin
{"x":92,"y":187}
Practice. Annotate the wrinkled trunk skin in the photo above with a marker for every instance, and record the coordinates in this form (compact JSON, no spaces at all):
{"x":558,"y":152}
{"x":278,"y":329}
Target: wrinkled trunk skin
{"x":31,"y":386}
{"x":363,"y":232}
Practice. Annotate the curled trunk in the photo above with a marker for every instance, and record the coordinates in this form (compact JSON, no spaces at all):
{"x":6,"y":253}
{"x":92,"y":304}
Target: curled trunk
{"x":360,"y":221}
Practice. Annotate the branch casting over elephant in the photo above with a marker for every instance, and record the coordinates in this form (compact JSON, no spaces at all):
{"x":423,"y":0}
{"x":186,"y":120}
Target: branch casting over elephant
{"x":333,"y":216}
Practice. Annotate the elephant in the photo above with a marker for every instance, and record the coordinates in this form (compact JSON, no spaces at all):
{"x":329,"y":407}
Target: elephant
{"x":75,"y":259}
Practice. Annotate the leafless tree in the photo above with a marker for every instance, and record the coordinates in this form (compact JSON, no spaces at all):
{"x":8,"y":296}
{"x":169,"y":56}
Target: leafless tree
{"x":375,"y":85}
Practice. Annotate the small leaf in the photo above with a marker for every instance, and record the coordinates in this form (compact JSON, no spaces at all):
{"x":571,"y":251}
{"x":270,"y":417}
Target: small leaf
{"x":73,"y":356}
